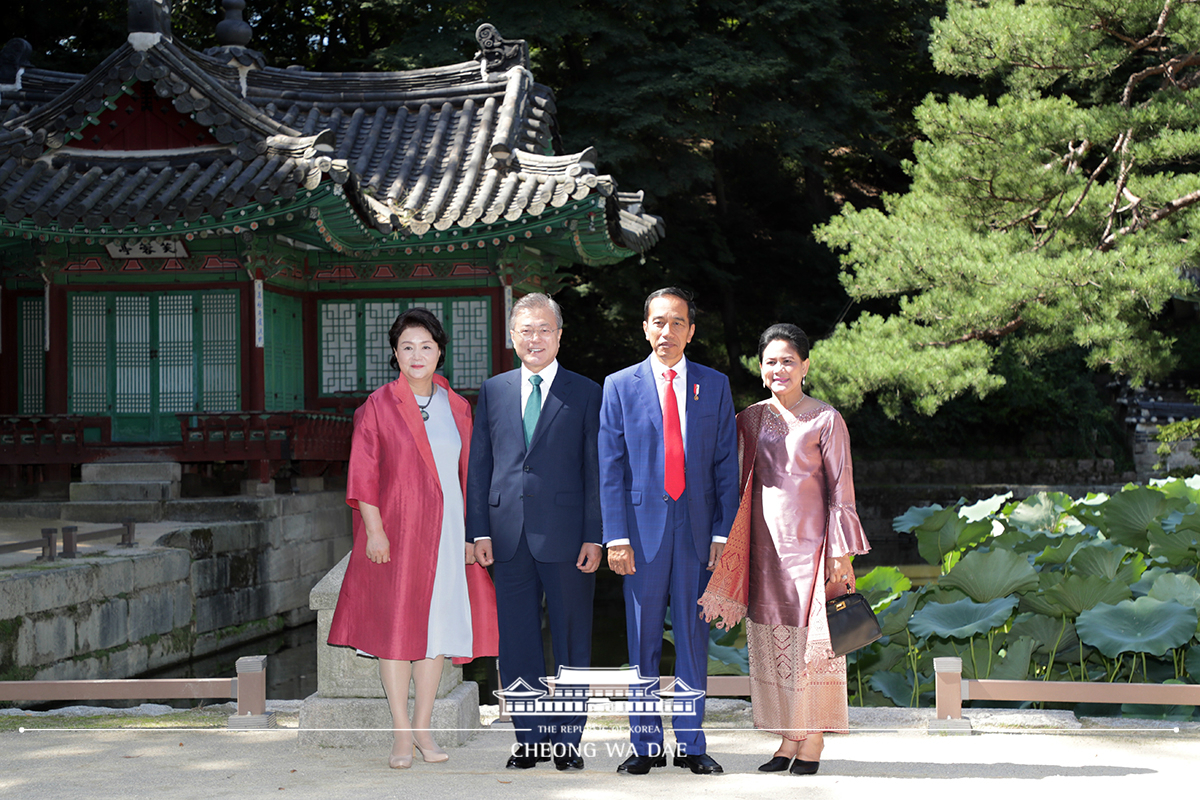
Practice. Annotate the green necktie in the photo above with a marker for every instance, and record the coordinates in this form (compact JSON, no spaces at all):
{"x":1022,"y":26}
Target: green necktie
{"x":533,"y":408}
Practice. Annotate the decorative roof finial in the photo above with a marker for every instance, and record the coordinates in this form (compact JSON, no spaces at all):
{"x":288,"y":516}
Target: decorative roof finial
{"x":498,"y":55}
{"x":234,"y":30}
{"x":150,"y":16}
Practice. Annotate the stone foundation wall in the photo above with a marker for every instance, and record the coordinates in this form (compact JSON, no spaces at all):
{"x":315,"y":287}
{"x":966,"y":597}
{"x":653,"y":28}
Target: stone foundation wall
{"x":208,"y":584}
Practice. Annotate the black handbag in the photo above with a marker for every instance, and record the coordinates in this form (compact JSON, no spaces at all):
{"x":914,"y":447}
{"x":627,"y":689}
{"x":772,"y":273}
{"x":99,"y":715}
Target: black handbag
{"x":852,"y":623}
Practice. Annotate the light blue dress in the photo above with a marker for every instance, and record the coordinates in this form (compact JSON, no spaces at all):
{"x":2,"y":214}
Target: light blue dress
{"x":450,"y":609}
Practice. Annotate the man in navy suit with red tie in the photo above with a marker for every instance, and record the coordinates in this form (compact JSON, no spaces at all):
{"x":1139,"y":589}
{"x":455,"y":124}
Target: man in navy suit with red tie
{"x":668,"y":496}
{"x":533,"y":512}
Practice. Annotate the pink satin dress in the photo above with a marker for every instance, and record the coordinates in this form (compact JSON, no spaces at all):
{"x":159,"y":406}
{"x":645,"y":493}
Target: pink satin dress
{"x":802,"y":512}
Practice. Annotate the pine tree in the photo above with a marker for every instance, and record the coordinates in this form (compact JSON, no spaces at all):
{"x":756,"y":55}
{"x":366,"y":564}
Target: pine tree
{"x":1056,"y":214}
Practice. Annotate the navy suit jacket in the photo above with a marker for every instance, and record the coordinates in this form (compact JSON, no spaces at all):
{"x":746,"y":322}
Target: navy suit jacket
{"x":632,"y":500}
{"x":550,"y":491}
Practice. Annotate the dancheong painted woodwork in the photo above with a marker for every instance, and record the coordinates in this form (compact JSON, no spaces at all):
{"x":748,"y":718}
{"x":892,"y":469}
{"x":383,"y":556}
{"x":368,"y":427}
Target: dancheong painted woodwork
{"x":200,"y":253}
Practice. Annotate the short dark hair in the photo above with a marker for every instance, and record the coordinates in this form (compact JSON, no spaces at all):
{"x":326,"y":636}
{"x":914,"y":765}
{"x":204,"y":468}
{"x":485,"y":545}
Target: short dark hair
{"x":418,"y":318}
{"x":784,"y":332}
{"x":672,"y":291}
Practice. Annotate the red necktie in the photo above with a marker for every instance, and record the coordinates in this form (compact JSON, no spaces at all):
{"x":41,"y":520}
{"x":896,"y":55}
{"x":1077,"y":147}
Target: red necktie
{"x":673,"y":480}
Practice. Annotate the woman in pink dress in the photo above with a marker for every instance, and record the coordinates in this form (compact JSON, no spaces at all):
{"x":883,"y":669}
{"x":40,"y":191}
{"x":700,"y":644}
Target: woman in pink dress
{"x":789,"y":550}
{"x":413,"y":593}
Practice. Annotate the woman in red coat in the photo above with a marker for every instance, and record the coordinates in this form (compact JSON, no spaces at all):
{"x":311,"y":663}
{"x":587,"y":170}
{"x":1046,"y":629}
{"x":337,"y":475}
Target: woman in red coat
{"x":407,"y":598}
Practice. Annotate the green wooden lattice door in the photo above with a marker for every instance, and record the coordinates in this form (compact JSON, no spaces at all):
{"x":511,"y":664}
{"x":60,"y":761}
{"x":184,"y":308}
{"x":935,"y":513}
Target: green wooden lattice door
{"x":142,"y":358}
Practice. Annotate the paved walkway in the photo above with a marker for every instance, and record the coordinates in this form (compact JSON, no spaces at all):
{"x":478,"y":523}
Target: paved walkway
{"x":889,"y":754}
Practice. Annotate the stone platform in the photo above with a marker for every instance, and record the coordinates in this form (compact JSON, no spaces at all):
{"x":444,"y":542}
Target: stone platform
{"x":349,"y":708}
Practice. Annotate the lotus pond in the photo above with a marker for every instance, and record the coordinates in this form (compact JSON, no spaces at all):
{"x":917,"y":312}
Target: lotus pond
{"x":1099,"y":588}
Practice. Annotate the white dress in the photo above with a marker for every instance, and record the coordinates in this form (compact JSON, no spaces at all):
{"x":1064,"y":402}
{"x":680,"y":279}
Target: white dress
{"x":450,"y":609}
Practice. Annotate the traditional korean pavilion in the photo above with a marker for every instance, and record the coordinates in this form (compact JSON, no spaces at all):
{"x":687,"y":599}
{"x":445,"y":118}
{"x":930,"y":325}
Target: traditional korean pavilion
{"x":201,"y":254}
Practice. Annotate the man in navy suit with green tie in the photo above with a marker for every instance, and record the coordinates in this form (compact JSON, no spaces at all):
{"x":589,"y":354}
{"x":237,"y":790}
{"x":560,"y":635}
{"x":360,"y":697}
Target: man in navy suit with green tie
{"x":533,"y":512}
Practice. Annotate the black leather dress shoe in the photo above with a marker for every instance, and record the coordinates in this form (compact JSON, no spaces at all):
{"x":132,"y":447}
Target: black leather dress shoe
{"x":776,"y":764}
{"x":572,"y":762}
{"x":804,"y":767}
{"x":524,"y":762}
{"x":640,"y":765}
{"x":700,"y":764}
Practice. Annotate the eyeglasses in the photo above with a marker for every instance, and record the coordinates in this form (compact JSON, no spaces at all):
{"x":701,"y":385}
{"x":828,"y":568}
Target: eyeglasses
{"x":533,"y":333}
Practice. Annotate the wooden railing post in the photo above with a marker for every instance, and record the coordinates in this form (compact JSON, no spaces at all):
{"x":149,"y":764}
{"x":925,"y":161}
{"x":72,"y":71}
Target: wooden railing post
{"x":49,"y":544}
{"x":252,"y":694}
{"x":70,"y":542}
{"x":948,"y":687}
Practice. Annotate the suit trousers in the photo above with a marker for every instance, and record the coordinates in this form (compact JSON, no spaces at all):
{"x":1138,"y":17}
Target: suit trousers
{"x":520,"y":584}
{"x":677,"y":578}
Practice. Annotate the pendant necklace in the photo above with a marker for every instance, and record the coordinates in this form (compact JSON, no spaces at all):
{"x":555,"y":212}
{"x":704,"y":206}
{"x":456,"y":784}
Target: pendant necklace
{"x":424,"y":413}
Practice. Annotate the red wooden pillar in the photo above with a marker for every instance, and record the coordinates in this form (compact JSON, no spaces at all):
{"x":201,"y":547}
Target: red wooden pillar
{"x":56,"y":369}
{"x":253,"y":377}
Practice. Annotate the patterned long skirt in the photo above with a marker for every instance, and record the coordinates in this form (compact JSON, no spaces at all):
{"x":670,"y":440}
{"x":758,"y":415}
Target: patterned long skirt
{"x":797,"y":686}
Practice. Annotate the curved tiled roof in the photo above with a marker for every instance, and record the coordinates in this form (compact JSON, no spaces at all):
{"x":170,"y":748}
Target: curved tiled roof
{"x":413,"y":152}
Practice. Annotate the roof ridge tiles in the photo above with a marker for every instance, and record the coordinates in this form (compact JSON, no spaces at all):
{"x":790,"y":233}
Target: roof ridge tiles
{"x":395,"y":136}
{"x":412,"y":202}
{"x":475,"y":162}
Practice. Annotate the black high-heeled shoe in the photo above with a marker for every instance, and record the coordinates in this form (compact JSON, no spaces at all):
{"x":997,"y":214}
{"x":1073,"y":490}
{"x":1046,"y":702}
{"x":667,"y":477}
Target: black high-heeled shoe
{"x":776,"y":764}
{"x":804,"y":767}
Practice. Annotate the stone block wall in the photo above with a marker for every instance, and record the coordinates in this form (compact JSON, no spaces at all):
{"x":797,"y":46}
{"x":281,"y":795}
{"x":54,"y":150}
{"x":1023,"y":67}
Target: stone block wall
{"x":229,"y":572}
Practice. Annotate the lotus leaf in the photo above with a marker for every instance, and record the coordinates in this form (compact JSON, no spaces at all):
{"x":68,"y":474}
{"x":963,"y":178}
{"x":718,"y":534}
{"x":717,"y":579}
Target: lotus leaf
{"x":1037,"y":602}
{"x":1144,"y":625}
{"x":890,"y":655}
{"x":894,"y":618}
{"x":961,"y":620}
{"x":987,"y":576}
{"x":1192,"y":660}
{"x":1146,"y":711}
{"x":1048,"y":634}
{"x":1175,"y":487}
{"x":1182,"y":546}
{"x":944,"y":532}
{"x":984,"y":508}
{"x":1078,"y":593}
{"x":1145,"y":583}
{"x":909,"y":520}
{"x":896,"y":687}
{"x":1036,"y":513}
{"x":1183,"y":589}
{"x":882,"y":585}
{"x":938,"y":534}
{"x":1108,"y":560}
{"x":1061,"y":551}
{"x":1127,"y":515}
{"x":1013,"y":665}
{"x":936,"y":593}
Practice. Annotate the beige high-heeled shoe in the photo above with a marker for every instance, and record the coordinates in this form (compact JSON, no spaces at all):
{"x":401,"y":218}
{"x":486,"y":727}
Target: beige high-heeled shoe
{"x":400,"y":762}
{"x":435,"y":756}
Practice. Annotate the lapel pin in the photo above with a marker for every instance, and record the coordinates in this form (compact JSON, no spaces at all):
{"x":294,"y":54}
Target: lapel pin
{"x":695,"y":391}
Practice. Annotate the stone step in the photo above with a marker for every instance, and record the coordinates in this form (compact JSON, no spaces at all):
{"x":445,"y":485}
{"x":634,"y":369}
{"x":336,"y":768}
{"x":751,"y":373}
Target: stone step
{"x":115,"y":511}
{"x":135,"y":472}
{"x":124,"y":490}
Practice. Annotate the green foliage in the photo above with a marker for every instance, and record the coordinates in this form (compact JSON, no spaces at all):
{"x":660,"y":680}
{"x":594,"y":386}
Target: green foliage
{"x":1054,"y":215}
{"x":1144,"y":625}
{"x":1057,"y":589}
